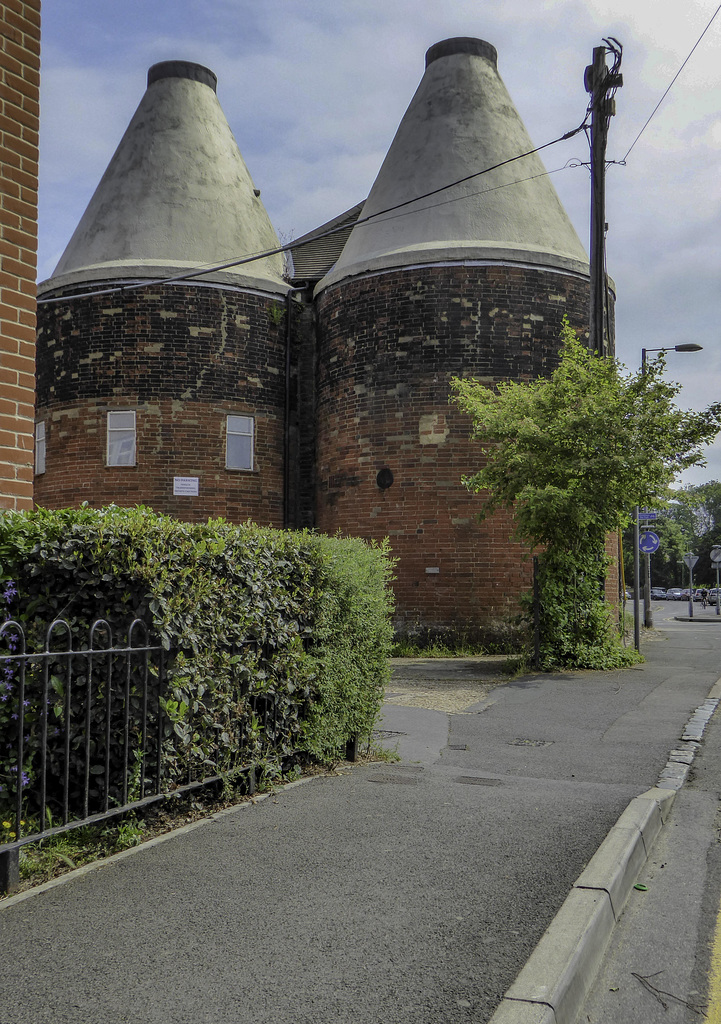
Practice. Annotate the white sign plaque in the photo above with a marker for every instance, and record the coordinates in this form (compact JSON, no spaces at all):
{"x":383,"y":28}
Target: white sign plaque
{"x":186,"y":486}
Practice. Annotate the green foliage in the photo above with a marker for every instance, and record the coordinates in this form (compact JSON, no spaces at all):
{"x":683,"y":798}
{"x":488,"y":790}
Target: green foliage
{"x":276,"y":314}
{"x":280,"y":638}
{"x":352,"y":637}
{"x":571,"y":455}
{"x":696,"y":516}
{"x":691,"y":522}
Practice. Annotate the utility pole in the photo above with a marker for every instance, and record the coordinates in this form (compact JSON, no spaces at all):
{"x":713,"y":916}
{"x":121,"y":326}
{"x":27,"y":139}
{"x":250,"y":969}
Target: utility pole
{"x":601,"y":82}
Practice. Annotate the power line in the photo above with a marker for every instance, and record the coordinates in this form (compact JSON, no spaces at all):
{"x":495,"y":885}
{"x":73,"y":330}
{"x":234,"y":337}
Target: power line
{"x":673,"y":80}
{"x":252,"y":258}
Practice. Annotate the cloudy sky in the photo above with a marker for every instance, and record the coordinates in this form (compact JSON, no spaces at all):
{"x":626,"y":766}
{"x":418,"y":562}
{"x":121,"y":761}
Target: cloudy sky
{"x":314,"y":91}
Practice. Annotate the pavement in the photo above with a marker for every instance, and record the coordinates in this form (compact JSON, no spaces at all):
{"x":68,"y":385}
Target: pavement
{"x":482,"y":877}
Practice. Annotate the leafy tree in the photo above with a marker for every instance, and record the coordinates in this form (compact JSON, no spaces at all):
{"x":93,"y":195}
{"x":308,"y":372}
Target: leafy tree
{"x":571,"y":455}
{"x":667,"y":564}
{"x":697,"y":512}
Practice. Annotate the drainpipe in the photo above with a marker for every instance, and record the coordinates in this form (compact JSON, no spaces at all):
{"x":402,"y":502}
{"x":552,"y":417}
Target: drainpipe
{"x":286,"y":413}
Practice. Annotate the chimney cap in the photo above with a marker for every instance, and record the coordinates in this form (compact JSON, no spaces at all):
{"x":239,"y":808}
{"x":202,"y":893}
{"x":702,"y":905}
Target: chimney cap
{"x":462,"y":44}
{"x":182,"y":69}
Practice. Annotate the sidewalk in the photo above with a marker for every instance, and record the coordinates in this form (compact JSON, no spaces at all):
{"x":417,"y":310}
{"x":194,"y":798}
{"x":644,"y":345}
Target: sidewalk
{"x":407,"y":893}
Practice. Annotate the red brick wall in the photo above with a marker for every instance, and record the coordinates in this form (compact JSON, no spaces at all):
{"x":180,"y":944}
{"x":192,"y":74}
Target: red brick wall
{"x":19,"y":92}
{"x":182,"y":357}
{"x":388,"y":344}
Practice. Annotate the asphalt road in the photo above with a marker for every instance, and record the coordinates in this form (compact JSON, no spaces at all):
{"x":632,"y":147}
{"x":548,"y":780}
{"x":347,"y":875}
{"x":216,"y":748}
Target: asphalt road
{"x":394,"y":894}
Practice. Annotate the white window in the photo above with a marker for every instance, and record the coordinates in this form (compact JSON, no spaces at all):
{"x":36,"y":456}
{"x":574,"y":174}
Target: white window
{"x":239,"y":433}
{"x":121,"y":438}
{"x":39,"y":448}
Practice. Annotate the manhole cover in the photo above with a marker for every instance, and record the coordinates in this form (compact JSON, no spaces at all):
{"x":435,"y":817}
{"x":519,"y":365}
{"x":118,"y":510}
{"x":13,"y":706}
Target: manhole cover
{"x":405,"y":775}
{"x":394,"y":780}
{"x":473,"y":780}
{"x":520,"y":742}
{"x":458,"y":746}
{"x":388,"y":732}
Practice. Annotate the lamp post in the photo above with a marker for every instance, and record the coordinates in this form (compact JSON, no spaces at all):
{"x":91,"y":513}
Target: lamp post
{"x":690,"y":346}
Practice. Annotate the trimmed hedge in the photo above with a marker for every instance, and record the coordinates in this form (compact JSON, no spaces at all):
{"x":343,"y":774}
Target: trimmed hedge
{"x":281,"y":640}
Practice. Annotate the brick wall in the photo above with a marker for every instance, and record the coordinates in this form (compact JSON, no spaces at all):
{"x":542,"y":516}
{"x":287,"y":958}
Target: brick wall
{"x":182,"y":357}
{"x":20,"y":71}
{"x":388,"y":344}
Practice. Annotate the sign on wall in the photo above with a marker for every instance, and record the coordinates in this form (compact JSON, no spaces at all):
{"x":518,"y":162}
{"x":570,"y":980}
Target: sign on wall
{"x":186,"y":486}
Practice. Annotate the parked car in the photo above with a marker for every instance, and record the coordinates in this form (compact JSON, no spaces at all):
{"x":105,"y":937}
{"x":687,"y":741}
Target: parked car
{"x":658,"y":593}
{"x":712,"y":595}
{"x":674,"y":594}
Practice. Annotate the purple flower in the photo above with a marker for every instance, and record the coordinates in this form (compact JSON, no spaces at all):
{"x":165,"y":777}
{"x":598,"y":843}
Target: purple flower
{"x":25,"y":779}
{"x":10,"y":591}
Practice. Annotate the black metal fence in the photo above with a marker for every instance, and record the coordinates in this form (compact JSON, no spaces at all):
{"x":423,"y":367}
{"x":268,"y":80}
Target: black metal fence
{"x":83,"y":731}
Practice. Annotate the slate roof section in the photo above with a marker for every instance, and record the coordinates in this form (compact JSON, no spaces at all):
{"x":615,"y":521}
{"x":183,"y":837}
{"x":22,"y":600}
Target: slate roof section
{"x":315,"y":253}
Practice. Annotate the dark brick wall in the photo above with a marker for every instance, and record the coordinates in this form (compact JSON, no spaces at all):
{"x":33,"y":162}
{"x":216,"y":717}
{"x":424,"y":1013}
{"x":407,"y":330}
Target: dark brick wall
{"x":182,"y":357}
{"x":388,"y":345}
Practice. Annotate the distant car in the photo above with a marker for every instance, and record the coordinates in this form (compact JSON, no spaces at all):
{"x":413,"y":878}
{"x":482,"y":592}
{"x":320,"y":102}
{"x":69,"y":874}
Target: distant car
{"x":629,"y":594}
{"x":659,"y":593}
{"x":712,"y":595}
{"x":674,"y":594}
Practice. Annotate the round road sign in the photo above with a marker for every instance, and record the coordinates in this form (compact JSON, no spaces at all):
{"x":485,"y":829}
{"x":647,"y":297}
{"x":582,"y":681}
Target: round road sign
{"x":648,"y":542}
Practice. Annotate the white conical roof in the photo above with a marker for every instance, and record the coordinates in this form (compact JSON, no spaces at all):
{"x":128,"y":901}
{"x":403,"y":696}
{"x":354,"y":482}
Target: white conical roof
{"x":460,"y":121}
{"x":176,"y":195}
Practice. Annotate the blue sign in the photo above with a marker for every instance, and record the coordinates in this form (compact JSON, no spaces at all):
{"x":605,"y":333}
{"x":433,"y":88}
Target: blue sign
{"x":648,"y":515}
{"x":648,"y":542}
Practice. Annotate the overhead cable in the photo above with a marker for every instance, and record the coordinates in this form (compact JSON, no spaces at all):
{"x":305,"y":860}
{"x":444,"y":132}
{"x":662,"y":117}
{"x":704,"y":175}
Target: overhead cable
{"x":670,"y":86}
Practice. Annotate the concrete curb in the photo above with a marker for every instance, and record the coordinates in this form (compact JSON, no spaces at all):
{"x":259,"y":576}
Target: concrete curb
{"x":555,"y":981}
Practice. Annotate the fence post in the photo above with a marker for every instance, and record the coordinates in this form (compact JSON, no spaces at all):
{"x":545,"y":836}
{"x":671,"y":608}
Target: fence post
{"x":9,"y":869}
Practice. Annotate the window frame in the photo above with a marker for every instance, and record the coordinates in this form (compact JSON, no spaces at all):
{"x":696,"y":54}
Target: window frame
{"x":240,"y":433}
{"x":41,"y":446}
{"x":110,"y":430}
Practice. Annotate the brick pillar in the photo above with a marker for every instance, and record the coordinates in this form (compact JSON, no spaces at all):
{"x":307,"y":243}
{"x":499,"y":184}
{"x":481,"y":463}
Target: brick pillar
{"x":19,"y":109}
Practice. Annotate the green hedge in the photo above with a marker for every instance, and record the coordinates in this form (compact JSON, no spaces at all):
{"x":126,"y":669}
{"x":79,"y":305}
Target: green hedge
{"x":281,"y":639}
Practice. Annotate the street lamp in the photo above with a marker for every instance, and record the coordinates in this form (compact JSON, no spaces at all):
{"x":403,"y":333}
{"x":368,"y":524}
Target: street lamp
{"x":690,"y":346}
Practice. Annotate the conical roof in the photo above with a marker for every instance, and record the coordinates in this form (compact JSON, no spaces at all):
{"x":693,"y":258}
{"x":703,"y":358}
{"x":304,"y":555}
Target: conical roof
{"x":461,"y":121}
{"x":176,"y":195}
